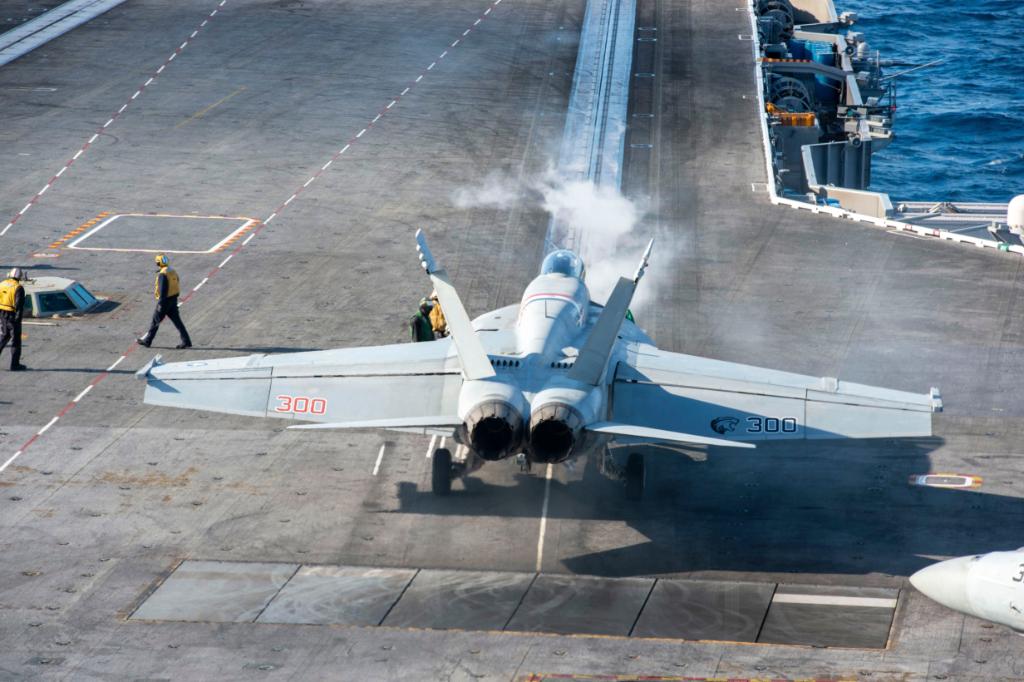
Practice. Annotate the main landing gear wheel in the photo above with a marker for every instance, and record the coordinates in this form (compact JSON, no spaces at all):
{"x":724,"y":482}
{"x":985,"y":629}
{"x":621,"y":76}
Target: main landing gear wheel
{"x":441,"y":473}
{"x":635,"y":475}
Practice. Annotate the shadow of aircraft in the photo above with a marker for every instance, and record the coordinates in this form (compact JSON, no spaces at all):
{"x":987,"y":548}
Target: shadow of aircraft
{"x":843,"y":507}
{"x":250,"y":349}
{"x":34,"y":267}
{"x":79,"y":370}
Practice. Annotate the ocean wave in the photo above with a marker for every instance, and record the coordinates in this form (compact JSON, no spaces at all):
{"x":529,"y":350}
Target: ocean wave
{"x":1008,"y":161}
{"x":959,"y":125}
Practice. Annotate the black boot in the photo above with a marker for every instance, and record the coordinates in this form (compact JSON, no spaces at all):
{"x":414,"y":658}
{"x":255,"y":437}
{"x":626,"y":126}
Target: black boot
{"x":143,"y":341}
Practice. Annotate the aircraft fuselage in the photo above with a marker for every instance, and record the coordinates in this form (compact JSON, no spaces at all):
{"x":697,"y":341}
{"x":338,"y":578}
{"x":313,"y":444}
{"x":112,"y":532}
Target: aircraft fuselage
{"x":530,"y":405}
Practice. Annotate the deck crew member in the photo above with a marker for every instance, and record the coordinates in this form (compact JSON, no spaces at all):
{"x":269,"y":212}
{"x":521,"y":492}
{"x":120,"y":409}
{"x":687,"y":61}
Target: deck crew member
{"x":437,"y":321}
{"x":12,"y":305}
{"x":419,"y":324}
{"x":166,"y":291}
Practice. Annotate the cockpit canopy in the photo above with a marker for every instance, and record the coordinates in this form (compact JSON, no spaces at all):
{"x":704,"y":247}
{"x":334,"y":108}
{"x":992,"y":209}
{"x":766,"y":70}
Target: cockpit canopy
{"x":563,"y":262}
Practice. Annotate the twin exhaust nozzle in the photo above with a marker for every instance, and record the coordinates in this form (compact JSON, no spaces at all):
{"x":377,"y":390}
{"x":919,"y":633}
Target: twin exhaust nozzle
{"x":494,"y":430}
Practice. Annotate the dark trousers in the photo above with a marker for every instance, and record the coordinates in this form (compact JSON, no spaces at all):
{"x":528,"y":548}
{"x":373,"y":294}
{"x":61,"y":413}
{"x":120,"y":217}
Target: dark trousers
{"x":167,"y":308}
{"x":10,"y":330}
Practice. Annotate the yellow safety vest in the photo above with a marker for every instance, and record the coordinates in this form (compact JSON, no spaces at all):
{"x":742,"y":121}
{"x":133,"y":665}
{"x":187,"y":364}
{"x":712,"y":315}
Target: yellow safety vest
{"x":8,"y":294}
{"x":173,"y":285}
{"x":437,"y":320}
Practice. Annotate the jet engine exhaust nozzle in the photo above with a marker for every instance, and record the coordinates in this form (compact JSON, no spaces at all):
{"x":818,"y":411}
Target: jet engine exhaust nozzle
{"x":554,"y":432}
{"x":495,"y":430}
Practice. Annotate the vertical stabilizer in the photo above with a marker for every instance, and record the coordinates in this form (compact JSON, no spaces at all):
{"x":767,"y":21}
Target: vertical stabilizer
{"x":590,"y":365}
{"x":472,"y":357}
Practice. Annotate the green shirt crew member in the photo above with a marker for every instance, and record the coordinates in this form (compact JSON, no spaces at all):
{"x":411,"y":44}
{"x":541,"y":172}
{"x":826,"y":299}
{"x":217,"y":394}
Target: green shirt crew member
{"x":420,"y":327}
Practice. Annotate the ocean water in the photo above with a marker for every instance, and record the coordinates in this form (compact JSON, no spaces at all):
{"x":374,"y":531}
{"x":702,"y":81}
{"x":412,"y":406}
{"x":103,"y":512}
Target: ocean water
{"x":959,"y":125}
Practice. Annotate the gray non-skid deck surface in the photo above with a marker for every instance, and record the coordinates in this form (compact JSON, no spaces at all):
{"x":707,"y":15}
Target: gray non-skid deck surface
{"x":830,"y":616}
{"x":226,"y":592}
{"x":463,"y":600}
{"x":216,"y":591}
{"x":704,"y":609}
{"x":581,"y":605}
{"x":344,"y":595}
{"x":115,"y":494}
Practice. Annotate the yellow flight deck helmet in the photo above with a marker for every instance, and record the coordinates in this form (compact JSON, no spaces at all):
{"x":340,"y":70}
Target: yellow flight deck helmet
{"x":161,"y":261}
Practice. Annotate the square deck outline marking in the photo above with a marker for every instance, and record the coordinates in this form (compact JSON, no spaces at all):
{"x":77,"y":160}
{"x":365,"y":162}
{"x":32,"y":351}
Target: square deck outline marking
{"x":247,"y":224}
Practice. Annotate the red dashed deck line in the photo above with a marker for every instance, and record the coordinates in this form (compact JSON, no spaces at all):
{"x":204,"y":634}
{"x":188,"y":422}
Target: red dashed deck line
{"x":256,"y":230}
{"x":106,"y":125}
{"x":67,"y":408}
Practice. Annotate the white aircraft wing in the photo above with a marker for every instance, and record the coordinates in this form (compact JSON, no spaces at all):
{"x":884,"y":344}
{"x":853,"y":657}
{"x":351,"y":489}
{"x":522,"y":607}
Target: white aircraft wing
{"x":684,"y":393}
{"x":412,"y":385}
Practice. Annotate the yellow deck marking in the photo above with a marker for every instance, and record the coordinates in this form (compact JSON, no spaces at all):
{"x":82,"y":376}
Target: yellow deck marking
{"x":203,"y":112}
{"x":79,"y":230}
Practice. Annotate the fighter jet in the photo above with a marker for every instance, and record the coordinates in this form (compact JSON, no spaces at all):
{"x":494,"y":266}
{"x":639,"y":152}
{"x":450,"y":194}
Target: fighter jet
{"x":547,"y":380}
{"x":988,"y":586}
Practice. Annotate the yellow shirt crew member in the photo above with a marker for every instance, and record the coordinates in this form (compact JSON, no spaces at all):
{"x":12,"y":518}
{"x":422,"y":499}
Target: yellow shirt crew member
{"x":166,"y":291}
{"x":12,"y":306}
{"x":437,"y":321}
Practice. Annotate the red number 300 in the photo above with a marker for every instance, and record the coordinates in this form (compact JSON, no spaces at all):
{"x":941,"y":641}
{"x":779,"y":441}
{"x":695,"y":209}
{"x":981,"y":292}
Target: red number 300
{"x":300,"y":404}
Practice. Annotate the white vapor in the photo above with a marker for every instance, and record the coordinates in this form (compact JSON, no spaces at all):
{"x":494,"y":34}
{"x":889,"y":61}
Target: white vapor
{"x":601,"y":218}
{"x":496,"y":191}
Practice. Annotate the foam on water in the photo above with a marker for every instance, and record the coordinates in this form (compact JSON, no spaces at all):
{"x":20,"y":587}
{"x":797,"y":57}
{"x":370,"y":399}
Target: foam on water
{"x":959,"y":125}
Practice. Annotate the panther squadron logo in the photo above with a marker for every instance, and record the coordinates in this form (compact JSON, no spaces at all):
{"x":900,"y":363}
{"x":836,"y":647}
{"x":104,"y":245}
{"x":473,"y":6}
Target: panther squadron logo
{"x":724,"y":425}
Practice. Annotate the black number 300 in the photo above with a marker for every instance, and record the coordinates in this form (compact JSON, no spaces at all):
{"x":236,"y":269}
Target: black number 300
{"x":771,"y":425}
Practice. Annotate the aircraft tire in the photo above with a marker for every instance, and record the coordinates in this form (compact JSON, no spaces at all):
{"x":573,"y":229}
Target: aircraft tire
{"x":635,"y":476}
{"x":441,"y":473}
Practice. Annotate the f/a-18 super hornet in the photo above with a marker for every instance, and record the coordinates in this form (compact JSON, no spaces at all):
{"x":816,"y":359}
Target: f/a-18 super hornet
{"x":988,"y":586}
{"x":546,"y":380}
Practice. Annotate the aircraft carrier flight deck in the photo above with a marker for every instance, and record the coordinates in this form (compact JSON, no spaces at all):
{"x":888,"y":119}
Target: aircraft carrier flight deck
{"x":282,"y":153}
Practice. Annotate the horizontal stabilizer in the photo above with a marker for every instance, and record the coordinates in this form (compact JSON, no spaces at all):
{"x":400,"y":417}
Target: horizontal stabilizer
{"x":661,"y":435}
{"x":401,"y":423}
{"x":401,"y":383}
{"x":663,"y":390}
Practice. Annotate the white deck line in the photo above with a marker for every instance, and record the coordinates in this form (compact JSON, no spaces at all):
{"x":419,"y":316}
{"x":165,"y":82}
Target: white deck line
{"x":47,"y":427}
{"x":49,"y":25}
{"x":833,"y":600}
{"x":13,"y":457}
{"x":539,"y":563}
{"x":380,"y":458}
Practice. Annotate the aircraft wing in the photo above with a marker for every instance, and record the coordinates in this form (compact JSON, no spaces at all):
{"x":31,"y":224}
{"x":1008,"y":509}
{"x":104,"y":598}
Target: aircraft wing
{"x":412,"y":385}
{"x":715,"y":399}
